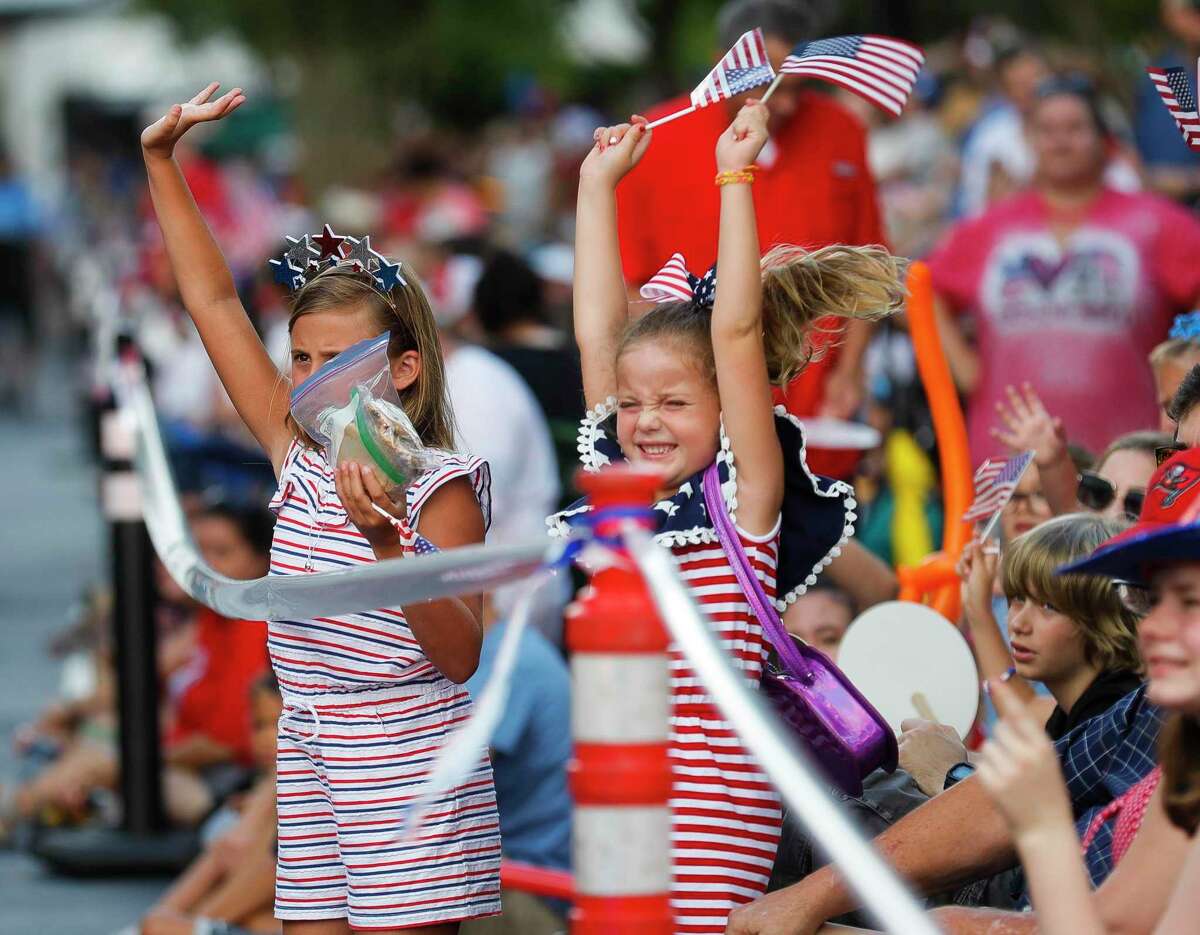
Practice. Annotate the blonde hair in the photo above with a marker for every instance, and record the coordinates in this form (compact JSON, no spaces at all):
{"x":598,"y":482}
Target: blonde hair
{"x":409,"y":322}
{"x":1174,"y":350}
{"x":1094,"y":605}
{"x":799,"y":288}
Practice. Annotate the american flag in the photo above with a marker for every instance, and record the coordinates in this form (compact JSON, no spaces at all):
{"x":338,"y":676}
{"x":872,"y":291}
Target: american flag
{"x":1172,"y":86}
{"x":877,"y":68}
{"x":995,"y":482}
{"x":422,"y":546}
{"x":745,"y":66}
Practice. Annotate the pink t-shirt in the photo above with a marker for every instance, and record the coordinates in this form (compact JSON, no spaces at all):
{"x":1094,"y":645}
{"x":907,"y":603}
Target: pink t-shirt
{"x":1076,"y":321}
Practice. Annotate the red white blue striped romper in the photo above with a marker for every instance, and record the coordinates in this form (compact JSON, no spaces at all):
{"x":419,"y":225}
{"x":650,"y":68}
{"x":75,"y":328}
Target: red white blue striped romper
{"x":365,"y":713}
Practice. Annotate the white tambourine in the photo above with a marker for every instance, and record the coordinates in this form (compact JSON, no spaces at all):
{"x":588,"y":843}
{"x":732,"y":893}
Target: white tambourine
{"x":910,"y":661}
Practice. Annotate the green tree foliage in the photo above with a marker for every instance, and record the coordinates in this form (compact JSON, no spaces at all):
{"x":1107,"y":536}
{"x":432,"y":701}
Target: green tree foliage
{"x":454,"y":56}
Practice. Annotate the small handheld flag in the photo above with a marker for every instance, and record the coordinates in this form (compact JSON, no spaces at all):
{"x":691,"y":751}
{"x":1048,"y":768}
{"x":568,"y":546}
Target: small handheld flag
{"x":744,"y":67}
{"x":879,"y":69}
{"x":1172,"y":86}
{"x":995,"y":482}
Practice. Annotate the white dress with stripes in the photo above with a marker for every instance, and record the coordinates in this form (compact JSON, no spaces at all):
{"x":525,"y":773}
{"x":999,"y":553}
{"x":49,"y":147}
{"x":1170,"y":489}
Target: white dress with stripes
{"x":365,"y":713}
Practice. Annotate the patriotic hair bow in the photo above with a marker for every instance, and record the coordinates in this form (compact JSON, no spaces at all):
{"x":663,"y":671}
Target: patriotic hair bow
{"x":673,"y":283}
{"x":1186,"y":327}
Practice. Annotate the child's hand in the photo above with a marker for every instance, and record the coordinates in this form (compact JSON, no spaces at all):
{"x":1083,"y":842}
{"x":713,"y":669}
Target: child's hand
{"x":740,"y":145}
{"x":1020,"y":769}
{"x":977,"y":570}
{"x":1031,"y":427}
{"x":361,"y":493}
{"x":160,"y":137}
{"x":618,"y":149}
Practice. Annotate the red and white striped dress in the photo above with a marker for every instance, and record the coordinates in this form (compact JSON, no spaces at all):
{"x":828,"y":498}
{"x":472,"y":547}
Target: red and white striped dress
{"x":365,"y":713}
{"x":725,"y":814}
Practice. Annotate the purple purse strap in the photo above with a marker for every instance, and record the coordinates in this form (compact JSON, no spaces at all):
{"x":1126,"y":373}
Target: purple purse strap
{"x":773,"y":628}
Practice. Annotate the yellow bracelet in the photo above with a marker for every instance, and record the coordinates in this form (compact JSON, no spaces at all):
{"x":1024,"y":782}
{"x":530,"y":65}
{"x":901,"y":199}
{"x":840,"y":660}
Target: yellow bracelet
{"x":737,"y":176}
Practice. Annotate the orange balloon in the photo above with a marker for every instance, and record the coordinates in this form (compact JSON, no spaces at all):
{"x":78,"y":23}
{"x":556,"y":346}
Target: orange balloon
{"x":935,"y":576}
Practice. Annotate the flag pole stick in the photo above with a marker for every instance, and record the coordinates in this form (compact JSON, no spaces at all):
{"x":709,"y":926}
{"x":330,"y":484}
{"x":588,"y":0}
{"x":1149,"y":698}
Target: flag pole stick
{"x":771,"y":90}
{"x":669,"y":117}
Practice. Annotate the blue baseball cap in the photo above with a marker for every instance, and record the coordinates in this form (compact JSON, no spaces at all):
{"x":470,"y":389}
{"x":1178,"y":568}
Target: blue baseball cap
{"x":1166,"y":532}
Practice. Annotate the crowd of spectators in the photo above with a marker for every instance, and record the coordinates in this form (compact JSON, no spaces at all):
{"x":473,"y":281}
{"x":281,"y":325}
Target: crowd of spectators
{"x":1061,"y":233}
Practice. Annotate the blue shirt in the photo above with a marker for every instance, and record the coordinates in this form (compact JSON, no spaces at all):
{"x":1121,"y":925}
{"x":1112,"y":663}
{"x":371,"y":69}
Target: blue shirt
{"x":1101,"y":759}
{"x":530,"y":750}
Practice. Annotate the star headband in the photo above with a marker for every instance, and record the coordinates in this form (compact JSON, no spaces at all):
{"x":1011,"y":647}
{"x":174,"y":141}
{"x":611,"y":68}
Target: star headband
{"x":1186,"y":327}
{"x":673,"y":283}
{"x":309,"y":256}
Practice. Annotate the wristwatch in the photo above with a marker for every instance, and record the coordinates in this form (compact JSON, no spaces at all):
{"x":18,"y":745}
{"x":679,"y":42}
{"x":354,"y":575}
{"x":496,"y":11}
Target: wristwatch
{"x":957,"y":773}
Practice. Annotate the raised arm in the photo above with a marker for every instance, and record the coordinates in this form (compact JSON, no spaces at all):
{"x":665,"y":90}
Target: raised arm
{"x":601,"y":308}
{"x":977,"y":569}
{"x":258,"y":390}
{"x":747,"y":406}
{"x":1027,"y":425}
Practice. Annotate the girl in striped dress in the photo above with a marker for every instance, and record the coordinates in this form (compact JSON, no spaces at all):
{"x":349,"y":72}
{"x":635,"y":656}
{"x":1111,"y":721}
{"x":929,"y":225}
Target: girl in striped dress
{"x":690,"y":383}
{"x":368,"y":698}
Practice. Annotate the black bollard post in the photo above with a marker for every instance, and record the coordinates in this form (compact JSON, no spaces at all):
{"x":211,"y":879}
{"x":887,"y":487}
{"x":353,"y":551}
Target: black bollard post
{"x":134,"y":628}
{"x":144,"y":843}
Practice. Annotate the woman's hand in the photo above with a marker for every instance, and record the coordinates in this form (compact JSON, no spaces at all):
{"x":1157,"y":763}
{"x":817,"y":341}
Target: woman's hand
{"x":1020,"y":769}
{"x":618,"y":149}
{"x":368,"y":506}
{"x":977,"y":571}
{"x":741,"y":143}
{"x":1028,"y":426}
{"x":160,"y":137}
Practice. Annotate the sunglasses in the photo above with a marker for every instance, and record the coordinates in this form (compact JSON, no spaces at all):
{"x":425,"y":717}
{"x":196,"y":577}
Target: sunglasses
{"x":1165,"y":452}
{"x":1096,"y":494}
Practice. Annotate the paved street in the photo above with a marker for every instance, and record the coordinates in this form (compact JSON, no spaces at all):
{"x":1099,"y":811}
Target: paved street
{"x":52,"y":544}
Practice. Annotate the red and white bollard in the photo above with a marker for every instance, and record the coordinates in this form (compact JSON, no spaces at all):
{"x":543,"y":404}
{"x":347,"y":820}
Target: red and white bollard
{"x":620,"y":717}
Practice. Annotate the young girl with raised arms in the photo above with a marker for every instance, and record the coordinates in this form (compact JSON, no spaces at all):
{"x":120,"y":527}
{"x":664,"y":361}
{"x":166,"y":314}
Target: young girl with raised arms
{"x":688,"y":383}
{"x":368,"y":697}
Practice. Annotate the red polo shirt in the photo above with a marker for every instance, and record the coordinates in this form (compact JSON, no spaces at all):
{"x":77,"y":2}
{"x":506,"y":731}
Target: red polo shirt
{"x":818,"y":191}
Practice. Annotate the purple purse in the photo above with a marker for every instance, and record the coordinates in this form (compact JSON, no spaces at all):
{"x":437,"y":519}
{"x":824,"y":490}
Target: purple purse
{"x":848,"y":737}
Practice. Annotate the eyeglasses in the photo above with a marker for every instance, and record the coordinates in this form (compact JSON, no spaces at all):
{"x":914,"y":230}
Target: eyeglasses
{"x":1096,"y":493}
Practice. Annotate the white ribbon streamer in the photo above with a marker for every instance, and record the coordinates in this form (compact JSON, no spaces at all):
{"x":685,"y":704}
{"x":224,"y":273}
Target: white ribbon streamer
{"x":390,"y":583}
{"x":787,"y":765}
{"x":463,"y":748}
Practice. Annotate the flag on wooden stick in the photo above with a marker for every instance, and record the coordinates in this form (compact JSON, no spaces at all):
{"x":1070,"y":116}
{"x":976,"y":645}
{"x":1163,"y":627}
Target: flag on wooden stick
{"x":995,"y":482}
{"x":743,"y":68}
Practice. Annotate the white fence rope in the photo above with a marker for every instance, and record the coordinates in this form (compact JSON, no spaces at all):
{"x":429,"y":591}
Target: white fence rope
{"x":884,"y":896}
{"x":392,"y":583}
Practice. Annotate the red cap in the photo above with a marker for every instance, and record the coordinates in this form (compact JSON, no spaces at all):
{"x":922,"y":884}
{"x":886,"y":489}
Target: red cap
{"x":1166,"y":531}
